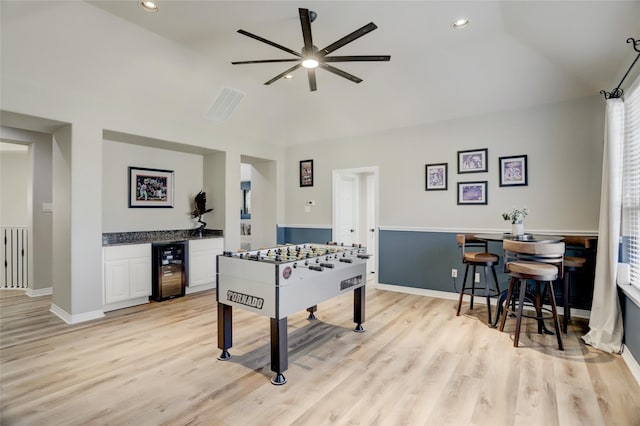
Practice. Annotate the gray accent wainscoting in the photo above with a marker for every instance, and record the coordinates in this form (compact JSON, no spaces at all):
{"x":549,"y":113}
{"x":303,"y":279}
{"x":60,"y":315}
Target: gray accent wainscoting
{"x":299,"y":235}
{"x":423,"y":259}
{"x":631,"y":321}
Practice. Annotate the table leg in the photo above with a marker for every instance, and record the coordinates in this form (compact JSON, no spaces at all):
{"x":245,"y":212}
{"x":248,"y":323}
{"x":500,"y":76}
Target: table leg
{"x":358,"y":308}
{"x":312,"y":311}
{"x":224,"y":331}
{"x":279,"y":350}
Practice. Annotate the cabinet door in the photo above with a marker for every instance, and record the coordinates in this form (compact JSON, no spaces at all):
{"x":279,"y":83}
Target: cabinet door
{"x":116,"y":281}
{"x":198,"y":271}
{"x":140,"y":277}
{"x":211,"y":264}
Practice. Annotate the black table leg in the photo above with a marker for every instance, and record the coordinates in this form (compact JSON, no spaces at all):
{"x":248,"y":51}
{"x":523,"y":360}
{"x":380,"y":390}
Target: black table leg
{"x":358,"y":308}
{"x":279,"y":350}
{"x":224,"y":331}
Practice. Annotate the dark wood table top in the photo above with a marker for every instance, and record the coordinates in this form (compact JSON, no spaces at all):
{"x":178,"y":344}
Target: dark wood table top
{"x":529,"y":238}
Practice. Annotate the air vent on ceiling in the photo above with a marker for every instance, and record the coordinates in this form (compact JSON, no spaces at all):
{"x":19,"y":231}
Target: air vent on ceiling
{"x":224,"y":104}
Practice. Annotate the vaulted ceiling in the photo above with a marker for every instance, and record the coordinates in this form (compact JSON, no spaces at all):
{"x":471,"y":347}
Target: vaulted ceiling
{"x":513,"y":54}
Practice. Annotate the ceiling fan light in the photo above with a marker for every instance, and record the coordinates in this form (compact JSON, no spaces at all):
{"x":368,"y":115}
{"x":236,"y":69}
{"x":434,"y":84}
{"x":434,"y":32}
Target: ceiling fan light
{"x":310,"y":63}
{"x":149,"y":6}
{"x":460,"y":23}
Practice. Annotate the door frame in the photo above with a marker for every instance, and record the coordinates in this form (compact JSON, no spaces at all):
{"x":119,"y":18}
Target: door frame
{"x":336,"y":176}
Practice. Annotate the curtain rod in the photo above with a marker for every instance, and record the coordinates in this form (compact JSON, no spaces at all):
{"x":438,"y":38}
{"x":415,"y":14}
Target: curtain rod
{"x":617,"y":92}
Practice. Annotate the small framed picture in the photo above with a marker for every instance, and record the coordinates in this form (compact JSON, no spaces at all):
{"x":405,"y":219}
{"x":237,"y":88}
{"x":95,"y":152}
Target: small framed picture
{"x":150,"y":187}
{"x":436,"y":177}
{"x":473,"y":161}
{"x":306,"y":173}
{"x":472,"y":192}
{"x":513,"y":170}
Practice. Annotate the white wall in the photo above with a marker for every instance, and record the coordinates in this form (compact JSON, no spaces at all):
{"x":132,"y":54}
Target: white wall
{"x":263,"y":204}
{"x":188,"y":181}
{"x":42,"y":220}
{"x":15,"y":175}
{"x":214,"y":186}
{"x":61,"y":178}
{"x":564,"y":147}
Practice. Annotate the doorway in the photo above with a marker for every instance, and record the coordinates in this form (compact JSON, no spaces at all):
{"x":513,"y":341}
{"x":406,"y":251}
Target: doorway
{"x":258,"y":200}
{"x":355,"y":210}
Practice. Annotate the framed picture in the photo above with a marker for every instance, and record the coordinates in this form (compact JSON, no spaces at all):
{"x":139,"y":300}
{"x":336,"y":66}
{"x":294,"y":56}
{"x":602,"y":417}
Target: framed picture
{"x":150,"y":187}
{"x":473,"y":161}
{"x":306,"y":173}
{"x":436,"y":177}
{"x":513,"y":170}
{"x":472,"y":192}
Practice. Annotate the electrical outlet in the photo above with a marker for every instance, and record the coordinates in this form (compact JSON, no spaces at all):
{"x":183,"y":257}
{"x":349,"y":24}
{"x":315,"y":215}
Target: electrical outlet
{"x":454,"y":273}
{"x":477,"y":277}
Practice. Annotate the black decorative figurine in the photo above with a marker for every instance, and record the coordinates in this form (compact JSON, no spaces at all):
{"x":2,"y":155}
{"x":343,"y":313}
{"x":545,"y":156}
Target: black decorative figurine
{"x":201,"y":208}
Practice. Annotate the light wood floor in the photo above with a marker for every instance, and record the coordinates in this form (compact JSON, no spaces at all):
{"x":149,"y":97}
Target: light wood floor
{"x":417,"y":364}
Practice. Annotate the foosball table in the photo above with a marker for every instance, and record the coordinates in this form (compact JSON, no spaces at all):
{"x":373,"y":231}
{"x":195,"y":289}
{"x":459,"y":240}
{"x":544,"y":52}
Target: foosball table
{"x":283,"y":280}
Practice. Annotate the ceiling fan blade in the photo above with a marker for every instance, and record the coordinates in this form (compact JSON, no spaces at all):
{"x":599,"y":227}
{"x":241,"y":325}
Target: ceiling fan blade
{"x":356,"y":58}
{"x":311,"y":73}
{"x":347,"y":39}
{"x":305,"y":21}
{"x":341,"y":73}
{"x":270,"y":43}
{"x":282,"y":74}
{"x":264,"y":61}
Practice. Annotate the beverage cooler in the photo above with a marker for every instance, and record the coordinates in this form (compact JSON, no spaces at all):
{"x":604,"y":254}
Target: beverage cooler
{"x":169,"y":273}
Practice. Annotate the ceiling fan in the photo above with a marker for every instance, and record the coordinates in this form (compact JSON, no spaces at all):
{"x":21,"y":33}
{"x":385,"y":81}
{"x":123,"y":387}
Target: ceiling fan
{"x":311,"y":57}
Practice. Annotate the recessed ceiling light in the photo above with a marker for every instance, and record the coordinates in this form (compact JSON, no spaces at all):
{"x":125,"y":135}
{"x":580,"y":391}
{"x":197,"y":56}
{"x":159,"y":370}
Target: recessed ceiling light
{"x":460,"y":23}
{"x":149,"y":6}
{"x":288,"y":77}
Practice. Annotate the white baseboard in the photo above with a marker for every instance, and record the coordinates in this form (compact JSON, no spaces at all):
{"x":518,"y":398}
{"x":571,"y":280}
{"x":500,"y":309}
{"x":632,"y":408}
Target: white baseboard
{"x":74,"y":319}
{"x":198,"y":288}
{"x":631,"y":362}
{"x":575,"y":313}
{"x":125,"y":303}
{"x":417,"y":291}
{"x":39,"y":292}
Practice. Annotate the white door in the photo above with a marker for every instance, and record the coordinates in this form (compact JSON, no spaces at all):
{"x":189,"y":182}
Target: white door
{"x":355,"y":211}
{"x":347,"y":214}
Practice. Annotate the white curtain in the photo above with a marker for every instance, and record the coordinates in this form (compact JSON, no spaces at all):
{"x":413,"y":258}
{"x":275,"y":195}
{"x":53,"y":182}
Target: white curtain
{"x":605,"y":323}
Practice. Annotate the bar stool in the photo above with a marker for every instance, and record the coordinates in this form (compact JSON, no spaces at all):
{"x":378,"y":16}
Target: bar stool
{"x":573,"y":264}
{"x":542,"y":264}
{"x":477,"y":258}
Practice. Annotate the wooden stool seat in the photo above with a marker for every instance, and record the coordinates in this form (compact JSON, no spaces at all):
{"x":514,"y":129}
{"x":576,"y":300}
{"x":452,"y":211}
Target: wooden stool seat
{"x":574,"y":262}
{"x":542,"y":271}
{"x":481,"y":258}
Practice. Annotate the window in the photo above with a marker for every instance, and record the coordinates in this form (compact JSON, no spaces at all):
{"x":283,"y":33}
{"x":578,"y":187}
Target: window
{"x":631,"y":184}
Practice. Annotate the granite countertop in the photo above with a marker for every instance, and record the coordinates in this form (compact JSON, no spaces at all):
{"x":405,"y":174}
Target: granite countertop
{"x":143,"y":237}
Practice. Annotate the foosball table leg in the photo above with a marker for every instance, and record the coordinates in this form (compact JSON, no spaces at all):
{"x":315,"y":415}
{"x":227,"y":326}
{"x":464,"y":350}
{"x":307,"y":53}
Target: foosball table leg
{"x":358,"y":308}
{"x":224,"y":331}
{"x":312,"y":311}
{"x":279,"y":350}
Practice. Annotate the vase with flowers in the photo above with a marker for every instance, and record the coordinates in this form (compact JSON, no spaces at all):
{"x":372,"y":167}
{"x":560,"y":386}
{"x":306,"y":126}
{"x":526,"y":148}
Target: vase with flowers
{"x":516,"y":217}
